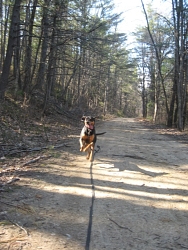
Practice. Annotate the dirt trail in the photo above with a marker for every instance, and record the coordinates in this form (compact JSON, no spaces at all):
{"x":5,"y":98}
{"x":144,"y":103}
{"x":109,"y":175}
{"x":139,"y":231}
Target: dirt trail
{"x":132,"y":197}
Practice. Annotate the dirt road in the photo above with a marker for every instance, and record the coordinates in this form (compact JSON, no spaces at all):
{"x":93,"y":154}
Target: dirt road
{"x":134,"y":196}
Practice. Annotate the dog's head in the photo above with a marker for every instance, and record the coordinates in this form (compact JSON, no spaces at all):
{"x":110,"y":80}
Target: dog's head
{"x":89,"y":121}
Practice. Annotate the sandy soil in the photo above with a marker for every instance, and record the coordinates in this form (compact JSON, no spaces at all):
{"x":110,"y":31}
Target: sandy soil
{"x":133,"y":196}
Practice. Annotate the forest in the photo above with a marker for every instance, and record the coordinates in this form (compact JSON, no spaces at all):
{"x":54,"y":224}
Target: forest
{"x":60,"y":60}
{"x":70,"y":55}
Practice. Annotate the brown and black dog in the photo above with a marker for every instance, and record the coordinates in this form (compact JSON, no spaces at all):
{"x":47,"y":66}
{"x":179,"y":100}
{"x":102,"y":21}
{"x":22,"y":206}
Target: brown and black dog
{"x":88,"y":136}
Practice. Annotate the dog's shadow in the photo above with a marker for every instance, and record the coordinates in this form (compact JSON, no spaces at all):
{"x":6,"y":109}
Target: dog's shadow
{"x":127,"y":166}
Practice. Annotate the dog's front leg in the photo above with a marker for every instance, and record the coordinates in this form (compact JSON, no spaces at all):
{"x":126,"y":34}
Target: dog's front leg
{"x":81,"y":144}
{"x":88,"y":147}
{"x":88,"y":153}
{"x":91,"y":152}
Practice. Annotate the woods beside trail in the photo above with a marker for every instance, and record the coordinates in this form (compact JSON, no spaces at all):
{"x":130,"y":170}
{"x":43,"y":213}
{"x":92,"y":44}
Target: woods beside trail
{"x":70,"y":54}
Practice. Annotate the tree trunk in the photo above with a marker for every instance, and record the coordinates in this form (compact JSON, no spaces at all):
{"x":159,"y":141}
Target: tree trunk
{"x":158,"y":59}
{"x":44,"y":49}
{"x":179,"y":30}
{"x":172,"y":104}
{"x":28,"y":64}
{"x":51,"y":67}
{"x":14,"y":27}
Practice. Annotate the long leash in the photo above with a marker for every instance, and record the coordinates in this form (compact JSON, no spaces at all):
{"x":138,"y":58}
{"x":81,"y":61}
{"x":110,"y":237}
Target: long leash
{"x":88,"y":239}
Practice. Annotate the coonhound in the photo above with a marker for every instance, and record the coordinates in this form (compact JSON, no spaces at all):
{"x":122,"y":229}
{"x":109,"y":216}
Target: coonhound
{"x":88,"y":136}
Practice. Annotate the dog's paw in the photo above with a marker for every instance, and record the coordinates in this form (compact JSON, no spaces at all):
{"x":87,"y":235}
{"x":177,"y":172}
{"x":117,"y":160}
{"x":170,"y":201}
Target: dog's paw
{"x":81,"y":149}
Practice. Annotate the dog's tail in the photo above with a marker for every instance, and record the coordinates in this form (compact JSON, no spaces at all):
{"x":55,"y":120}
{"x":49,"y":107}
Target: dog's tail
{"x":101,"y":133}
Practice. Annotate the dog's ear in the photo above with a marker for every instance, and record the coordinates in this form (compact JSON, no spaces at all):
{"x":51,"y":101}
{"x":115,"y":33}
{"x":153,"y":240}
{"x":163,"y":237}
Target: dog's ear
{"x":83,"y":118}
{"x":92,"y":118}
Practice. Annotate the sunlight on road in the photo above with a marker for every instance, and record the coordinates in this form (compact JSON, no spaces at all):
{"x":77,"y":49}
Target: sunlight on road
{"x":135,"y":186}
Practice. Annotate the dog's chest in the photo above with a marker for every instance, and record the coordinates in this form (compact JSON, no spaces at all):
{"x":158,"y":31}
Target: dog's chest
{"x":88,"y":131}
{"x":88,"y":135}
{"x":88,"y":139}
